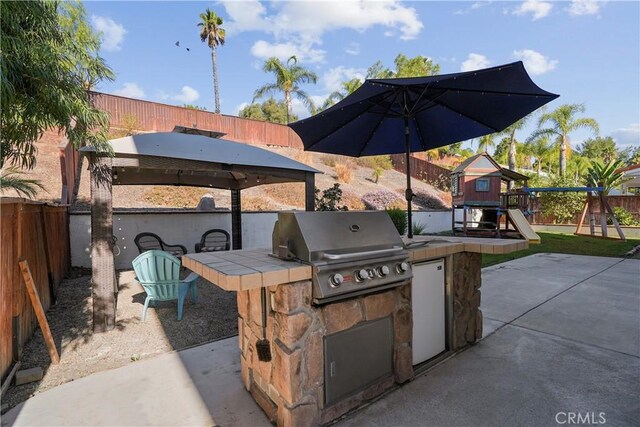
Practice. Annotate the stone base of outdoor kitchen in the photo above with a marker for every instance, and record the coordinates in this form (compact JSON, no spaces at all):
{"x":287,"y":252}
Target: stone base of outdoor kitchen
{"x":290,"y":388}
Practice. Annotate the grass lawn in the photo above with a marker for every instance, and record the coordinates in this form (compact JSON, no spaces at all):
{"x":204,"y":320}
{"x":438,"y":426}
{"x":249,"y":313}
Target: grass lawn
{"x":567,"y":244}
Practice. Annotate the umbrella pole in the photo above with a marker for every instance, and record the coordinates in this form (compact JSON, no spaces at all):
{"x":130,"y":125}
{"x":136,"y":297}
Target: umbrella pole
{"x":408,"y":192}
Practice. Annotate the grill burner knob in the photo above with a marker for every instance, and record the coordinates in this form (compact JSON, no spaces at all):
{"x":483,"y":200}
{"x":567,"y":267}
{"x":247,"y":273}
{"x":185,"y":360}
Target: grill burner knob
{"x":336,"y":280}
{"x":362,"y":275}
{"x":383,"y":271}
{"x":402,"y":267}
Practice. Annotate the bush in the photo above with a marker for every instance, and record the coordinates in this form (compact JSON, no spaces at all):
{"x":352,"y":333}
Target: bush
{"x":381,"y":199}
{"x":562,"y":206}
{"x":329,"y":199}
{"x":352,"y":201}
{"x":376,"y":174}
{"x":383,"y":162}
{"x":399,"y":219}
{"x":418,"y":229}
{"x":343,"y":172}
{"x":428,"y":201}
{"x":624,"y":217}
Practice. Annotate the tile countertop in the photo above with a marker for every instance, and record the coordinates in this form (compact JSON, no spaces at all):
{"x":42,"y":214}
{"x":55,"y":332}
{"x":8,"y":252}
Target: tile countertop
{"x":248,"y":269}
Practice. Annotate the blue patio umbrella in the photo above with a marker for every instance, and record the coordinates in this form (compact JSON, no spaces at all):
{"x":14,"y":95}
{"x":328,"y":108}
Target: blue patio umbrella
{"x":430,"y":112}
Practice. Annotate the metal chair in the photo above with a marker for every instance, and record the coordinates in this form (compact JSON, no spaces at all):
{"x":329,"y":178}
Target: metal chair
{"x":149,"y":241}
{"x":159,"y":274}
{"x":214,"y":240}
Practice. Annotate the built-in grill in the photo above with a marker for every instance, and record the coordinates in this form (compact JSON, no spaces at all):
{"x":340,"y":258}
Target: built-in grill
{"x":352,"y":253}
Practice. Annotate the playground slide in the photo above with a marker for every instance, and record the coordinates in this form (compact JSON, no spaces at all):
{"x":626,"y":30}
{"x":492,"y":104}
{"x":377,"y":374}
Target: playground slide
{"x":522,"y":225}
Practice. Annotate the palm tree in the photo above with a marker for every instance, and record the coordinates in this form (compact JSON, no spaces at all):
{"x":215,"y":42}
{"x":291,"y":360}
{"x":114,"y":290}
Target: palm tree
{"x":510,"y":132}
{"x":539,"y":148}
{"x":212,"y":32}
{"x":347,"y":89}
{"x":13,"y":179}
{"x":288,"y":78}
{"x":485,"y":142}
{"x":562,"y":122}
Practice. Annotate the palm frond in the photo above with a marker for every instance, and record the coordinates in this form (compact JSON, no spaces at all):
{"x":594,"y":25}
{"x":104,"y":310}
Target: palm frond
{"x":13,"y":179}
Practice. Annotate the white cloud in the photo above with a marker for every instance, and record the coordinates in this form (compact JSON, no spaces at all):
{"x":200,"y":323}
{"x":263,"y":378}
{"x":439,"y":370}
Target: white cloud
{"x":187,"y":95}
{"x":112,"y":33}
{"x":303,"y":23}
{"x":474,"y":6}
{"x":583,"y":7}
{"x":130,"y":90}
{"x":535,"y":62}
{"x":537,"y":9}
{"x":627,"y":137}
{"x":475,"y":61}
{"x":239,"y":108}
{"x":303,"y":52}
{"x":333,"y":78}
{"x":353,"y":48}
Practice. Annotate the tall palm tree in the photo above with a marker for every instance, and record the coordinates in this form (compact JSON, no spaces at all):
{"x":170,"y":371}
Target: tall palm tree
{"x":562,"y":122}
{"x":510,"y":132}
{"x":288,"y":78}
{"x":212,"y":32}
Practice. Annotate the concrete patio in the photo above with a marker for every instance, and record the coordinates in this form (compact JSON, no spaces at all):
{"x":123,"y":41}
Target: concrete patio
{"x":562,"y":336}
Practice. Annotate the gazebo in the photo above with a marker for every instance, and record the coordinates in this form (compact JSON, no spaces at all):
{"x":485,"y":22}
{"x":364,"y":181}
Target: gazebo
{"x":180,"y":159}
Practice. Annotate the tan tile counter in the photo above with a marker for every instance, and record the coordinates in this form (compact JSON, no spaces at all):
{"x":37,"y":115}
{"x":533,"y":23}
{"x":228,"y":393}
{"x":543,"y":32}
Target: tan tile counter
{"x":248,"y":269}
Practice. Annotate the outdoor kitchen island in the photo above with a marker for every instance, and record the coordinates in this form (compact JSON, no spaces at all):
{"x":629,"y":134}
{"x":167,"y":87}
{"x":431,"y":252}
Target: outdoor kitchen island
{"x":329,"y":357}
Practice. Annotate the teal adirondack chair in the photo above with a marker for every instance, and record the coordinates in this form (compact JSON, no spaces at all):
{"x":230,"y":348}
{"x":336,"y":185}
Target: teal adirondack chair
{"x":159,"y":274}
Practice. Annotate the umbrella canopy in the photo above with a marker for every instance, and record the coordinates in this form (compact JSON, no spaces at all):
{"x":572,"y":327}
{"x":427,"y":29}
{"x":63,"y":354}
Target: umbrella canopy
{"x":430,"y":112}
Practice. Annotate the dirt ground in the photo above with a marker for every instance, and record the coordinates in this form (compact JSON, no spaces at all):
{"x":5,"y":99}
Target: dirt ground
{"x":83,"y":353}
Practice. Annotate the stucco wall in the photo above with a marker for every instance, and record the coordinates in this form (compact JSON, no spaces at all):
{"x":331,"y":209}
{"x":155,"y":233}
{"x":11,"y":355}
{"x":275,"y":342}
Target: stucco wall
{"x":186,"y":228}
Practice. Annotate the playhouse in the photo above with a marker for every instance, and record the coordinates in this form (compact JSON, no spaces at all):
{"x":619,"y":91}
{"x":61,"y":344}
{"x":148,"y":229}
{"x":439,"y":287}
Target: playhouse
{"x":476,"y":187}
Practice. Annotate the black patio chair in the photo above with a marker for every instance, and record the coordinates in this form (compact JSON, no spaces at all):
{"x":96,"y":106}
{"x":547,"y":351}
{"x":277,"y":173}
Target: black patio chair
{"x":148,"y":241}
{"x":214,"y":240}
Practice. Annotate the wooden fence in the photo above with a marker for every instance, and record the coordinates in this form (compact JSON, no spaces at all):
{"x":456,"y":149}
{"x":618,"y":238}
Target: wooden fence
{"x":423,"y":170}
{"x":39,"y":234}
{"x":156,"y":117}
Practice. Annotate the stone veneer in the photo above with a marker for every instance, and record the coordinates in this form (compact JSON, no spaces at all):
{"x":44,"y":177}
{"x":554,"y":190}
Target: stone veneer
{"x":290,"y":388}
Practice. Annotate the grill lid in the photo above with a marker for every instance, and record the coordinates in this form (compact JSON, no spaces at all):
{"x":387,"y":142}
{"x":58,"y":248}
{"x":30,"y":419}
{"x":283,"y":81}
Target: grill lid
{"x":334,"y":236}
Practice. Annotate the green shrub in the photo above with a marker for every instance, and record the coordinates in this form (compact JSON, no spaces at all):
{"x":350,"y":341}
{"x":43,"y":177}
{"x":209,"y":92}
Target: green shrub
{"x":562,"y":205}
{"x":623,"y":216}
{"x":377,"y":173}
{"x":399,"y":219}
{"x":418,"y":229}
{"x":383,"y":162}
{"x":329,"y":199}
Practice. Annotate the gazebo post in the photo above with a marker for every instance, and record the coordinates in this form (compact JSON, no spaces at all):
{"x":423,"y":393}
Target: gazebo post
{"x":310,"y":192}
{"x":103,"y":275}
{"x":236,"y":219}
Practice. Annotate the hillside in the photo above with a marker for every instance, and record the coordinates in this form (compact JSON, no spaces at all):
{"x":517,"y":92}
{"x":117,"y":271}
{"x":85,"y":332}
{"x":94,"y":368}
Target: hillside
{"x":360,"y":192}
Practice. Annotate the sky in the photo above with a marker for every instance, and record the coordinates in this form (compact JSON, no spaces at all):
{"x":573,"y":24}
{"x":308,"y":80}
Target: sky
{"x":585,"y":50}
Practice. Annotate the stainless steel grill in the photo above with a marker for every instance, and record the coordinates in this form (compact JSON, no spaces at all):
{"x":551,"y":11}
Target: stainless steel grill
{"x":352,"y":253}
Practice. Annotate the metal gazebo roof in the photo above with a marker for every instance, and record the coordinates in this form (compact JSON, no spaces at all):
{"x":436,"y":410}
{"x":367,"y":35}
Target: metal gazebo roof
{"x":170,"y":158}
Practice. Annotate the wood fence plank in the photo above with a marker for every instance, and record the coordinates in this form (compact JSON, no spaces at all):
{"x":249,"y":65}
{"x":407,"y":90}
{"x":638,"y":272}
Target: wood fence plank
{"x":37,"y":307}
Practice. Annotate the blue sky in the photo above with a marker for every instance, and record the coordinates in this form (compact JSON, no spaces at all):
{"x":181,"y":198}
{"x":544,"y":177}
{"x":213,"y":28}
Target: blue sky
{"x":585,"y":50}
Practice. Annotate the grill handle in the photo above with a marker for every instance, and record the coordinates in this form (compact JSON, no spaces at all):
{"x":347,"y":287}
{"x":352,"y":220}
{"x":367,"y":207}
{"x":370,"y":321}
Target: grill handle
{"x":351,"y":255}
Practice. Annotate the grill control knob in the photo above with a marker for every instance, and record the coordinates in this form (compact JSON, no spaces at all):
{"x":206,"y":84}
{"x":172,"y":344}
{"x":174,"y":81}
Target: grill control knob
{"x":336,"y":280}
{"x":402,"y":267}
{"x":362,"y":275}
{"x":383,"y":271}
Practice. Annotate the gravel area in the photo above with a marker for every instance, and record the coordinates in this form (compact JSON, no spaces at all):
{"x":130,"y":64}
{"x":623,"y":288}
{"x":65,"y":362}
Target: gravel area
{"x":83,"y":353}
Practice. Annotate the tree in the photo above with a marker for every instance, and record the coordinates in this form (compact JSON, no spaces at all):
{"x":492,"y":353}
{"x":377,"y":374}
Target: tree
{"x":49,"y":58}
{"x":288,"y":76}
{"x":578,"y":165}
{"x":562,"y":122}
{"x":270,"y":111}
{"x":417,"y":66}
{"x":212,"y":32}
{"x":501,"y":153}
{"x":510,"y":132}
{"x":540,"y":148}
{"x":193,"y":107}
{"x":14,"y":179}
{"x":486,"y":142}
{"x":347,"y":89}
{"x":599,"y":148}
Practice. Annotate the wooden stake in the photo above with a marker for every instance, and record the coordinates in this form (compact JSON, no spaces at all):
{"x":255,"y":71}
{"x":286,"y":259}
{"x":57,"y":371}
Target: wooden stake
{"x":37,"y":307}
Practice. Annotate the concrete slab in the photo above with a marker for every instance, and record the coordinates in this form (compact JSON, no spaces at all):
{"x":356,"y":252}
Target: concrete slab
{"x":490,"y":325}
{"x":601,"y":311}
{"x":514,"y":377}
{"x":196,"y":387}
{"x":511,"y":289}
